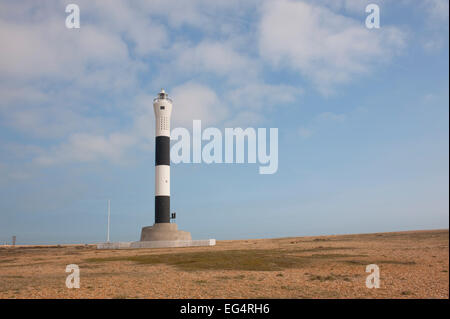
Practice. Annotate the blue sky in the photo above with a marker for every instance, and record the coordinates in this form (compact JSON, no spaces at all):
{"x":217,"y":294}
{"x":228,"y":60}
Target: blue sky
{"x":362,"y":116}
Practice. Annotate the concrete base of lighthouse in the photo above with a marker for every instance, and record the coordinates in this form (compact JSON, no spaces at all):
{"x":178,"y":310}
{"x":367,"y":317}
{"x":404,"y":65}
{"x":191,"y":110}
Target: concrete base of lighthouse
{"x":164,"y":231}
{"x":157,"y":244}
{"x":160,"y":235}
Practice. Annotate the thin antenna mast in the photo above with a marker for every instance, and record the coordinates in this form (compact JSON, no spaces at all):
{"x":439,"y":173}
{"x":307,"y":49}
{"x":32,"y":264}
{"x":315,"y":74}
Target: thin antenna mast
{"x":109,"y":218}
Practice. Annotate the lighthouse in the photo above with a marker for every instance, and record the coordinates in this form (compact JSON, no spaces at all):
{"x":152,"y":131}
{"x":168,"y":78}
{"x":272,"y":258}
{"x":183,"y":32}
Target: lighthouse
{"x":162,"y":229}
{"x":163,"y":233}
{"x":162,"y":106}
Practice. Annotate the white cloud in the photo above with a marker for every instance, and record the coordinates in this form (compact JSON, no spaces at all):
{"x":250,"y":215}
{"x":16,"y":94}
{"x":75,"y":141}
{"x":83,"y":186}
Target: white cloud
{"x":211,"y":17}
{"x":215,"y":57}
{"x":435,"y":36}
{"x":193,"y":101}
{"x":438,"y":9}
{"x":13,"y":95}
{"x":144,"y":119}
{"x":50,"y":51}
{"x":338,"y":5}
{"x":49,"y":122}
{"x":327,"y":47}
{"x":105,"y":56}
{"x":60,"y":81}
{"x":132,"y":21}
{"x":53,"y":80}
{"x":305,"y":132}
{"x":357,"y":7}
{"x":244,"y":118}
{"x":260,"y":95}
{"x":82,"y":147}
{"x":179,"y":13}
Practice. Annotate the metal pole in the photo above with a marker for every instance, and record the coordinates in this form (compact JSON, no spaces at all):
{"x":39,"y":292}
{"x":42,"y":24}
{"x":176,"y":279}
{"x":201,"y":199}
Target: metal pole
{"x":109,"y":218}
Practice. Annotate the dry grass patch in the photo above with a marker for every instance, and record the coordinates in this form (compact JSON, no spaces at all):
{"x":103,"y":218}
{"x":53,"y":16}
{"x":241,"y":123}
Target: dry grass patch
{"x":380,"y":262}
{"x":330,"y":277}
{"x":250,"y":260}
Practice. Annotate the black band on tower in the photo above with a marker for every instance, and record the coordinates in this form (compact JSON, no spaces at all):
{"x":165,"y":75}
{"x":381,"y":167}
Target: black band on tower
{"x":162,"y":153}
{"x":162,"y":209}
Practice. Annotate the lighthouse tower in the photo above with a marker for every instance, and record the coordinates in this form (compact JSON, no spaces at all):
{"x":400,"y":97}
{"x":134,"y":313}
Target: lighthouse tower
{"x":163,"y":229}
{"x":162,"y":106}
{"x":163,"y":233}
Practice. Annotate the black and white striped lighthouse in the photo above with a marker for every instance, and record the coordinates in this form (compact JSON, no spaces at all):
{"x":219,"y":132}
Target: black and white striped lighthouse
{"x":162,"y":106}
{"x":163,"y":229}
